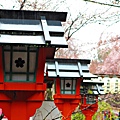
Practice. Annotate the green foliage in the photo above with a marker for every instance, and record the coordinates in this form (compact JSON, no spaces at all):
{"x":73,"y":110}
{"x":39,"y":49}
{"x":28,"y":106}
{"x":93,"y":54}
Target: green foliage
{"x":49,"y":94}
{"x":78,"y":116}
{"x":90,"y":91}
{"x":103,"y":106}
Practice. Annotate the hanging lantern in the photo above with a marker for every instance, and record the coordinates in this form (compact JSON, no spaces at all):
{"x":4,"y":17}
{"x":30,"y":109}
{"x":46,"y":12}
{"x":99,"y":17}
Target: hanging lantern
{"x":68,"y":75}
{"x":27,"y":39}
{"x":90,"y":90}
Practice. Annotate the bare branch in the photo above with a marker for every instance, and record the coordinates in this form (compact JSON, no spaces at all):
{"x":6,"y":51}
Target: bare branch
{"x":49,"y":113}
{"x":112,"y":5}
{"x":22,"y":4}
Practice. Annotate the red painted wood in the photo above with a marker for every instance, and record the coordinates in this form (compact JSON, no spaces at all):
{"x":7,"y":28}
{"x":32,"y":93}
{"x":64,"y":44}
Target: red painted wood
{"x":19,"y":110}
{"x":41,"y":65}
{"x":88,"y":117}
{"x":19,"y":100}
{"x":1,"y":67}
{"x":78,"y":86}
{"x":23,"y":86}
{"x":89,"y":109}
{"x":66,"y":106}
{"x":58,"y":86}
{"x":67,"y":103}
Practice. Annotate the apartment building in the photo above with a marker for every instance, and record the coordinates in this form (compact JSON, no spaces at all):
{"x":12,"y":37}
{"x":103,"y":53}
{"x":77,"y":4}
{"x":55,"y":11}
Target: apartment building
{"x":111,"y":85}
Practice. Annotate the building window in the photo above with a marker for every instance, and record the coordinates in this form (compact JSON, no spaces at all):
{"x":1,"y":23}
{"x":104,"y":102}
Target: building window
{"x":116,"y":80}
{"x":108,"y":83}
{"x":108,"y":87}
{"x":116,"y":83}
{"x":116,"y":91}
{"x":107,"y":90}
{"x":116,"y":88}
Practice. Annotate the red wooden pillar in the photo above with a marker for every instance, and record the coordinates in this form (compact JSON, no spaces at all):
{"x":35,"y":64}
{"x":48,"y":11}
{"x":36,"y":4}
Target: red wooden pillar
{"x":66,"y":106}
{"x":19,"y":110}
{"x":88,"y":117}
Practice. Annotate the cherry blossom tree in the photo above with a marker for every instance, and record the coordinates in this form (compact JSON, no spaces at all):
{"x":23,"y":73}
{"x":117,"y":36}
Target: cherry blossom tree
{"x":108,"y":56}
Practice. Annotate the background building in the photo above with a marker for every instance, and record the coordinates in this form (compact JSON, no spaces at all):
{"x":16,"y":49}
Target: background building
{"x":111,"y":85}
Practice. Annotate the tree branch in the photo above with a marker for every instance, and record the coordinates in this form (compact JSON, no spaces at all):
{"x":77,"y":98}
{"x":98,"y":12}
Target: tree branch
{"x":22,"y":5}
{"x":92,"y":1}
{"x":49,"y":113}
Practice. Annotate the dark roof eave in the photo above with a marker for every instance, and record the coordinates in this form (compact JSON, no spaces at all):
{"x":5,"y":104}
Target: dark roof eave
{"x":37,"y":45}
{"x":88,"y":78}
{"x":34,"y":15}
{"x":86,"y":61}
{"x":107,"y":75}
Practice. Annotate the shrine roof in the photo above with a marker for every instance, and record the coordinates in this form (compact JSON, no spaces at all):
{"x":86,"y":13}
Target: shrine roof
{"x":69,"y":68}
{"x":40,"y":28}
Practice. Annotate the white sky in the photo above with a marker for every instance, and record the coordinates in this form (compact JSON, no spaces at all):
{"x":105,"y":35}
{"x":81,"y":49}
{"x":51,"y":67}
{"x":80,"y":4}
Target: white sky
{"x":92,"y":32}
